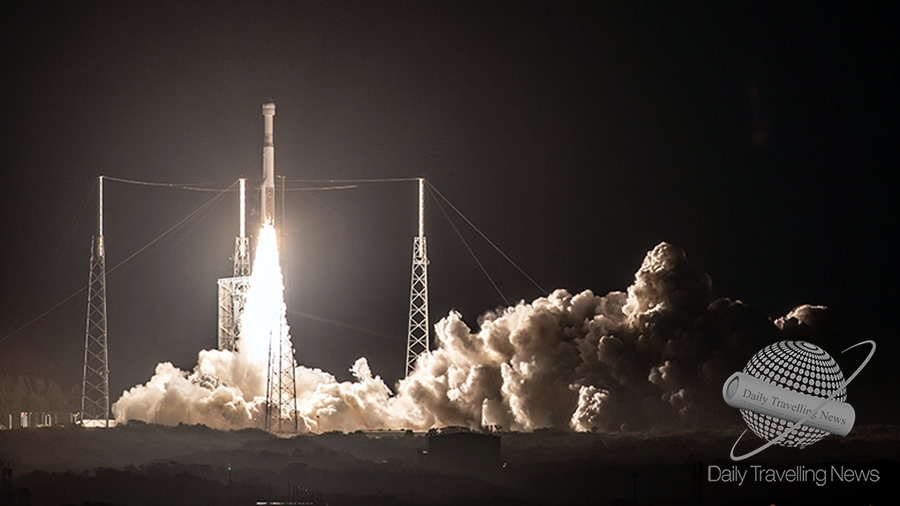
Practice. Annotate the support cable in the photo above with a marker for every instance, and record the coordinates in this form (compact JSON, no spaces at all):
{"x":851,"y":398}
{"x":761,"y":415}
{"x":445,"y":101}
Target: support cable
{"x":533,"y":282}
{"x":461,"y":238}
{"x":344,"y":184}
{"x":345,"y":325}
{"x":89,"y":197}
{"x":323,"y":188}
{"x":209,"y":203}
{"x":326,"y":207}
{"x":197,"y":187}
{"x":45,"y":313}
{"x":356,"y":181}
{"x":171,"y":229}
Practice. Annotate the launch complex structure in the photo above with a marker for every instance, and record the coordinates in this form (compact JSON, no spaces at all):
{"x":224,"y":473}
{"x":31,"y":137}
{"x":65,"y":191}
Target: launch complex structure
{"x":281,"y":395}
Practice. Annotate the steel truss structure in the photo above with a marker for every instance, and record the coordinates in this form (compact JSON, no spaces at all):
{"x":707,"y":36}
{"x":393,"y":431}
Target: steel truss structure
{"x":417,"y":341}
{"x":281,"y":385}
{"x":233,"y":291}
{"x":95,"y":383}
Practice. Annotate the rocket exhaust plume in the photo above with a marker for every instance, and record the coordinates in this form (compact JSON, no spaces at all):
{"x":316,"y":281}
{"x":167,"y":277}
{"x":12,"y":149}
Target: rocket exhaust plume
{"x":653,"y":356}
{"x":264,"y":314}
{"x":226,"y":389}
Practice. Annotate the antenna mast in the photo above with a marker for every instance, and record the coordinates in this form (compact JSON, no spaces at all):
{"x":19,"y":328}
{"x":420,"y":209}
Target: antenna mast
{"x":417,"y":341}
{"x":242,"y":242}
{"x":95,"y":384}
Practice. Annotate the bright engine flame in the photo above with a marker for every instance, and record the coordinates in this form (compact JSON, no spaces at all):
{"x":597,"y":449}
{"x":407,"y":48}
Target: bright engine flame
{"x":264,"y":319}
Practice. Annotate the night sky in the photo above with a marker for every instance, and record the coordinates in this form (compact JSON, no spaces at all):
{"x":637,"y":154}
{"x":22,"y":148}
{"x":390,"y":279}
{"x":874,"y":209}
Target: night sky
{"x":760,"y":139}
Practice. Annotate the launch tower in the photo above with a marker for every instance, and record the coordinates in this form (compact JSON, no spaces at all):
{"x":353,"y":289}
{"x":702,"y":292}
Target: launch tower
{"x":233,"y":290}
{"x":281,"y":385}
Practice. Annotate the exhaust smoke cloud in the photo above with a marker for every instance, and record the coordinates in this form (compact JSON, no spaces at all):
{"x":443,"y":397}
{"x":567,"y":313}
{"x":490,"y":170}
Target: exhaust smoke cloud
{"x":652,"y":357}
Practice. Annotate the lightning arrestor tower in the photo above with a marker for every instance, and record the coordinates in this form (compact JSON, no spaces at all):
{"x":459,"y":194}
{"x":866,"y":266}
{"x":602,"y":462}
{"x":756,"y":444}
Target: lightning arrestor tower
{"x":233,"y":290}
{"x":95,"y":384}
{"x":417,"y":341}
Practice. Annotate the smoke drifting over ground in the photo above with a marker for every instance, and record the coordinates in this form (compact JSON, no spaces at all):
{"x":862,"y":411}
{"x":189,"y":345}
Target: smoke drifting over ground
{"x":654,"y":356}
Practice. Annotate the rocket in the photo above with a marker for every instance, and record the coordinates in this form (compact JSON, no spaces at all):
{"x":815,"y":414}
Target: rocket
{"x":267,"y":190}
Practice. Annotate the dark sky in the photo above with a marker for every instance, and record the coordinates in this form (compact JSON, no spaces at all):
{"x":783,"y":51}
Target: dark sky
{"x":761,"y":139}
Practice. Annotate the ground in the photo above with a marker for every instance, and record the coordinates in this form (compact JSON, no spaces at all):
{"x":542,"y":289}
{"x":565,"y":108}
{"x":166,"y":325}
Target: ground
{"x":140,"y":464}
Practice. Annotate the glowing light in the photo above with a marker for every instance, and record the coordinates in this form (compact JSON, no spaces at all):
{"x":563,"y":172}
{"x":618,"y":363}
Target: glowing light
{"x":264,"y":315}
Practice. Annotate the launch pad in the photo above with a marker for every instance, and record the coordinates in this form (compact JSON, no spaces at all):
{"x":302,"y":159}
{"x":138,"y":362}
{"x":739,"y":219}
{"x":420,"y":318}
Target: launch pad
{"x":280,"y":409}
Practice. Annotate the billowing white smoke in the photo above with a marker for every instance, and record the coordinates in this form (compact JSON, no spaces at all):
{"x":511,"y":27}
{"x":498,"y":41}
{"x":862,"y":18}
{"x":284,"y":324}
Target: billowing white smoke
{"x":652,"y":357}
{"x":225,"y":390}
{"x":228,"y":390}
{"x":655,"y":356}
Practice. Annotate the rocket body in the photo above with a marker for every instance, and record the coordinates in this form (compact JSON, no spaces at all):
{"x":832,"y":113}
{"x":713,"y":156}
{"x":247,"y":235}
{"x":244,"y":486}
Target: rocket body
{"x":267,"y":190}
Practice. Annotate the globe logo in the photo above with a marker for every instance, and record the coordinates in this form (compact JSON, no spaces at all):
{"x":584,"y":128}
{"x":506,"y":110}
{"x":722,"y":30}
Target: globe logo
{"x":792,"y":393}
{"x":800,"y":367}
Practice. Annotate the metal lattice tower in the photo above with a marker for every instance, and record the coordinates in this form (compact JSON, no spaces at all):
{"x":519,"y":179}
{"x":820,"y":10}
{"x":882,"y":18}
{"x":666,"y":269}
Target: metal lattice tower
{"x":417,"y":341}
{"x":242,"y":242}
{"x":95,"y":384}
{"x":281,"y":384}
{"x":233,"y":290}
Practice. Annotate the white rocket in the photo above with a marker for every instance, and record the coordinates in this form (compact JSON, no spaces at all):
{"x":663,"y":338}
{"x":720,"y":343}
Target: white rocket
{"x":267,"y":190}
